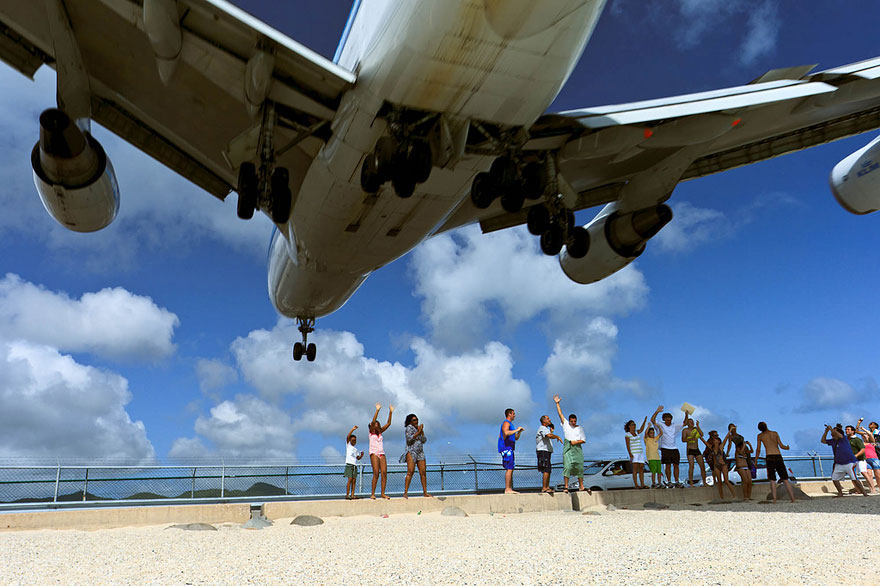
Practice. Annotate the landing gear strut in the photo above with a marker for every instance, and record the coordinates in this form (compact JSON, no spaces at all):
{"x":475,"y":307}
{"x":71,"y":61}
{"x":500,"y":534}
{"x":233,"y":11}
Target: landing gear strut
{"x":511,"y":180}
{"x":306,"y":325}
{"x":404,"y":157}
{"x":269,"y":186}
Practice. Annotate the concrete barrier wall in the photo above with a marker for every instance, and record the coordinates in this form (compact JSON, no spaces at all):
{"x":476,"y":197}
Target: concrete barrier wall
{"x":106,"y":518}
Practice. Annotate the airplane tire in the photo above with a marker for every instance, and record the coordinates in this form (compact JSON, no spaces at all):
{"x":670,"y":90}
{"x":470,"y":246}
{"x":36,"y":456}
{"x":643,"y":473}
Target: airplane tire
{"x":280,"y":210}
{"x":370,"y":180}
{"x":298,"y":351}
{"x":503,"y":171}
{"x":311,"y":352}
{"x":538,"y":220}
{"x":403,"y":182}
{"x":482,"y":191}
{"x":385,"y":152}
{"x":247,"y":191}
{"x":420,"y":160}
{"x":578,"y":242}
{"x":551,"y":241}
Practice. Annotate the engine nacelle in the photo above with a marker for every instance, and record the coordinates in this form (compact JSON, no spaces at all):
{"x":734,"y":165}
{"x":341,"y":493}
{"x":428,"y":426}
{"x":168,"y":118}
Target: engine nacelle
{"x":73,"y":175}
{"x":855,"y":181}
{"x":616,"y":240}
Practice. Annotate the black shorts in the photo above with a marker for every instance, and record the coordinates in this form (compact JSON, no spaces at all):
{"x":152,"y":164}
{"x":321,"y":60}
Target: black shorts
{"x":776,"y":465}
{"x":669,"y":456}
{"x":693,"y":452}
{"x":543,"y":461}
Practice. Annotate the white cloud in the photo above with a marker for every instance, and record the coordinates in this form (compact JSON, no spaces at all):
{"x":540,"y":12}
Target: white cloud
{"x":331,"y":455}
{"x":464,"y":276}
{"x":56,"y":407}
{"x":581,"y":365}
{"x":827,"y":393}
{"x":762,"y":31}
{"x":341,"y":388}
{"x":245,"y":428}
{"x":112,"y":322}
{"x":691,"y":226}
{"x":214,"y":374}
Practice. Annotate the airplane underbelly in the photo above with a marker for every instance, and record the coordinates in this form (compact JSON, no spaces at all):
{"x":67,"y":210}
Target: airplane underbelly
{"x":500,"y":61}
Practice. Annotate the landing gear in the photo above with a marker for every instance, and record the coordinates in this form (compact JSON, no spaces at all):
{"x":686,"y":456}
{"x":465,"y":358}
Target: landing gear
{"x":405,"y":162}
{"x":511,"y":180}
{"x":266,"y":187}
{"x":556,"y":226}
{"x":305,"y":325}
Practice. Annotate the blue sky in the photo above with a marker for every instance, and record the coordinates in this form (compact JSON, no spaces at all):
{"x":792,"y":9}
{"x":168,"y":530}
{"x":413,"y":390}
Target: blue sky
{"x":155,"y":340}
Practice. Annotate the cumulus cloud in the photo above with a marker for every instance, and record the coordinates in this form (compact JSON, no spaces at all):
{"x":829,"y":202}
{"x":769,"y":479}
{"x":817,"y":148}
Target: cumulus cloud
{"x":56,"y":407}
{"x":244,"y":428}
{"x":159,"y":210}
{"x":112,"y":323}
{"x":581,"y":365}
{"x":344,"y":384}
{"x":704,"y":17}
{"x":762,"y":31}
{"x":463,"y":277}
{"x":331,"y":455}
{"x":214,"y":374}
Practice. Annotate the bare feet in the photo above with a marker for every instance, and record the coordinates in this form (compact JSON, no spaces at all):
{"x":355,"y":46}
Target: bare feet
{"x":354,"y":498}
{"x":510,"y":492}
{"x":372,"y":496}
{"x":406,"y":497}
{"x":385,"y":496}
{"x":427,"y":495}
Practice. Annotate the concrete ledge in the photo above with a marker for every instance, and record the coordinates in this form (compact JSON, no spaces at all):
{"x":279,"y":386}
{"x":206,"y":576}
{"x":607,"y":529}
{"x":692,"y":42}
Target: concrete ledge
{"x":106,"y":518}
{"x":471,"y":504}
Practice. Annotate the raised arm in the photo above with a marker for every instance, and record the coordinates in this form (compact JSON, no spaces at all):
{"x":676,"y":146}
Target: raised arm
{"x":654,"y":416}
{"x":559,"y":409}
{"x":376,"y":414}
{"x":642,"y":428}
{"x":779,"y":443}
{"x":824,"y":439}
{"x":390,"y":413}
{"x":349,"y":434}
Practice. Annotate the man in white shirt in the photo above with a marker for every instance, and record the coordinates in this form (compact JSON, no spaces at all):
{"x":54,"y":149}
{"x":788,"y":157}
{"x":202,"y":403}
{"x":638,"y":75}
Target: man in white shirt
{"x":572,"y":450}
{"x":669,"y":454}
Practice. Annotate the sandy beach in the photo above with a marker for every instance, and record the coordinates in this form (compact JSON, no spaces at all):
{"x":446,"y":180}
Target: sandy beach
{"x":817,"y":542}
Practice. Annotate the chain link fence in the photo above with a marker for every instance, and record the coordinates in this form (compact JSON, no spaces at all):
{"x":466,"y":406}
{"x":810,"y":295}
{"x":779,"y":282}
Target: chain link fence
{"x":50,"y":485}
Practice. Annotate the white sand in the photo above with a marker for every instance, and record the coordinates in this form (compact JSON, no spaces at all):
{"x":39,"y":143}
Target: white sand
{"x":821,"y":541}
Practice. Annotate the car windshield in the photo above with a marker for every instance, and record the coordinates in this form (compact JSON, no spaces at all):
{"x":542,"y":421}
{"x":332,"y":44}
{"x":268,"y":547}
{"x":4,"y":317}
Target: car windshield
{"x":595,"y":467}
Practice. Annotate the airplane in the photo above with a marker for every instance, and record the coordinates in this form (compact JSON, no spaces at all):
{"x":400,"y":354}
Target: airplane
{"x":431,"y":116}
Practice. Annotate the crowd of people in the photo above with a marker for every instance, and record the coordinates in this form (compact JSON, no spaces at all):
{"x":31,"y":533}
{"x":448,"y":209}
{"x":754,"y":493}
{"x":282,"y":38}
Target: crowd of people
{"x":854,"y":448}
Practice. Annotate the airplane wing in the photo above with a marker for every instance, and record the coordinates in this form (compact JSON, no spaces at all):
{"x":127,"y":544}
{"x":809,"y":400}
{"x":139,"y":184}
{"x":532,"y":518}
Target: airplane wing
{"x":634,"y":154}
{"x":195,"y":121}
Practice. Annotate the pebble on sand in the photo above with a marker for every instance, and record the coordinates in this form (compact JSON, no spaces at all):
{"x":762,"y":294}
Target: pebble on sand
{"x":193,"y":527}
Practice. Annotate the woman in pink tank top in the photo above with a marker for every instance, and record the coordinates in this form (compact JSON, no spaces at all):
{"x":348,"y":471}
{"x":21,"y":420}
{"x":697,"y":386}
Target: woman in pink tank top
{"x":377,"y":450}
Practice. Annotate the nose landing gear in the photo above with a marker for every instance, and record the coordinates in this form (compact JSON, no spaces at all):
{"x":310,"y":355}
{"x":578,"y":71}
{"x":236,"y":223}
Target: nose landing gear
{"x":306,"y":325}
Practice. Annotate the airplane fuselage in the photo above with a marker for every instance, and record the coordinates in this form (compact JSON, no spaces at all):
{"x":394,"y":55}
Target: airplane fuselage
{"x":495,"y":61}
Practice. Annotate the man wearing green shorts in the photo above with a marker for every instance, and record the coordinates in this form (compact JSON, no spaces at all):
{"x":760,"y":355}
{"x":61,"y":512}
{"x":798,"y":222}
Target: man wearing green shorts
{"x":572,"y":452}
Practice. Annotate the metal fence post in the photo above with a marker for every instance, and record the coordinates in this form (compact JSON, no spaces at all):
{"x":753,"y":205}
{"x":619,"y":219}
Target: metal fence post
{"x":222,"y":478}
{"x":57,"y":480}
{"x":86,"y":485}
{"x":286,"y":480}
{"x":441,"y":476}
{"x":192,"y":491}
{"x":476,"y":477}
{"x":360,"y":478}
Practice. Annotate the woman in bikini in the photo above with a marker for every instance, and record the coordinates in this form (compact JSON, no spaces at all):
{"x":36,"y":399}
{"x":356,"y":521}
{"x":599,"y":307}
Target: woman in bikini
{"x":377,"y":450}
{"x":715,"y":458}
{"x":743,"y":454}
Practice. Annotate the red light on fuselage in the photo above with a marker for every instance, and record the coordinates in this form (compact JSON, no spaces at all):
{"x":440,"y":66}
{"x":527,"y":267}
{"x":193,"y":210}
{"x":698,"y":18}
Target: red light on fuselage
{"x":649,"y":133}
{"x":736,"y":122}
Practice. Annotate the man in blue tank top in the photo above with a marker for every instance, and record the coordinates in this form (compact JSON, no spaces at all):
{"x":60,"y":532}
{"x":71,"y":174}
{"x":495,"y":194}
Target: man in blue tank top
{"x":506,"y":445}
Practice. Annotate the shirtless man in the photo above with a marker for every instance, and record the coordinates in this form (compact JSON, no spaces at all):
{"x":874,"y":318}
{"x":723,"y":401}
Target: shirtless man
{"x":775,"y":464}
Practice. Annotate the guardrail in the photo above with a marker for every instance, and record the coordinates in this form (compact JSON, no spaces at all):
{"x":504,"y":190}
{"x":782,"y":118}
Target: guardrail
{"x":78,"y":485}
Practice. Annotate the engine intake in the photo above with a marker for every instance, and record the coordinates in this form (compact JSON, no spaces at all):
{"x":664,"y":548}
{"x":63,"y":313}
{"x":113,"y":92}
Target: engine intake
{"x":73,"y":175}
{"x":855,"y":181}
{"x":616,"y":239}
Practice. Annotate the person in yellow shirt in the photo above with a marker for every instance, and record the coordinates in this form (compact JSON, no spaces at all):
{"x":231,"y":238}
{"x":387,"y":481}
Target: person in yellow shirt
{"x":652,"y":450}
{"x":691,"y":435}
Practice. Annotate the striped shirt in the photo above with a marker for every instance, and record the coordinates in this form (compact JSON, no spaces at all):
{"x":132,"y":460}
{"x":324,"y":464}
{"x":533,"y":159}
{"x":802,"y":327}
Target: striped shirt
{"x":635,"y":444}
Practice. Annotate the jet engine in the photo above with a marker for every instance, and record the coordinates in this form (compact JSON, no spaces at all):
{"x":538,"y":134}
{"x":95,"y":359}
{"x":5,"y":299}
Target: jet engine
{"x":855,"y":181}
{"x":73,"y":175}
{"x":616,"y":239}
